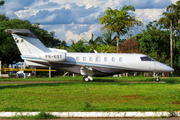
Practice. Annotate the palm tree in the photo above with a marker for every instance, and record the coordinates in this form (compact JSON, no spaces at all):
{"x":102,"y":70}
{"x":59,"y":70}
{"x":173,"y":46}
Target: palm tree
{"x":118,"y":22}
{"x":172,"y":16}
{"x":107,"y":39}
{"x":93,"y":43}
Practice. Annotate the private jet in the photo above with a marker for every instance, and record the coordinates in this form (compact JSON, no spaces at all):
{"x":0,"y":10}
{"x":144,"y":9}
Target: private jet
{"x":33,"y":52}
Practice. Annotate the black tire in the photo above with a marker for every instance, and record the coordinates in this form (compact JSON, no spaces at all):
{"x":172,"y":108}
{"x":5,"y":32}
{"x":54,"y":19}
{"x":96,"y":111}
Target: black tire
{"x":85,"y":79}
{"x":157,"y":79}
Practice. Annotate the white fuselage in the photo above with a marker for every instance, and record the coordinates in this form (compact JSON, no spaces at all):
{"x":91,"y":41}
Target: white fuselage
{"x":106,"y":63}
{"x":125,"y":62}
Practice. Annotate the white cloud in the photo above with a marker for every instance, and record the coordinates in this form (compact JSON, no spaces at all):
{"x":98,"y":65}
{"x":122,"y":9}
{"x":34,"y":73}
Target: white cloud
{"x":48,"y":19}
{"x":114,"y":4}
{"x":173,"y":1}
{"x":156,"y":1}
{"x":10,"y":7}
{"x":60,"y":30}
{"x":36,"y":4}
{"x":92,"y":3}
{"x":72,"y":36}
{"x":67,"y":6}
{"x":25,"y":14}
{"x":88,"y":3}
{"x":75,"y":32}
{"x":149,"y":14}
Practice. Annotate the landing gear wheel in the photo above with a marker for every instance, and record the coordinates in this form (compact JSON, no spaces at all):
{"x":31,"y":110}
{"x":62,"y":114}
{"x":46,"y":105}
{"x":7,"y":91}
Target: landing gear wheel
{"x":157,"y":79}
{"x":86,"y":79}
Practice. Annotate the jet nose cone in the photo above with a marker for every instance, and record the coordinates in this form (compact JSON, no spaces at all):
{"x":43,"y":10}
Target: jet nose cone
{"x":169,"y":69}
{"x":160,"y":67}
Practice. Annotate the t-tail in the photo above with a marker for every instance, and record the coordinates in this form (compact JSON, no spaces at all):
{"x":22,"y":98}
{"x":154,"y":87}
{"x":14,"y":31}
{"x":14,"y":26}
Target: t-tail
{"x":27,"y":42}
{"x":32,"y":50}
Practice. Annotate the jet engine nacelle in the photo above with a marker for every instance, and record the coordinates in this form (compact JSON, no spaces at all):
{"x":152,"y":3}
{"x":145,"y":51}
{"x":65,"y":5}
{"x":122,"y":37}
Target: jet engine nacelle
{"x":53,"y":57}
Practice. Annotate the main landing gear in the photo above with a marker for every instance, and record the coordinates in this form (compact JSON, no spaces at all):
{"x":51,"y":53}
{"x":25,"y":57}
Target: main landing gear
{"x":87,"y":78}
{"x":157,"y":78}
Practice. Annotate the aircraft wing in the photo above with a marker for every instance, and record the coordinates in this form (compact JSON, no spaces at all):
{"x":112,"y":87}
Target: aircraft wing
{"x":98,"y":71}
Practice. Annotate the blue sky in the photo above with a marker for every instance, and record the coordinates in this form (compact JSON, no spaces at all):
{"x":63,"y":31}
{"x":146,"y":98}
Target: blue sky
{"x":77,"y":19}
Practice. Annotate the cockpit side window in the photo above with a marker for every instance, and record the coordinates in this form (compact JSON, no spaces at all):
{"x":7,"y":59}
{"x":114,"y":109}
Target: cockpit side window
{"x":146,"y":59}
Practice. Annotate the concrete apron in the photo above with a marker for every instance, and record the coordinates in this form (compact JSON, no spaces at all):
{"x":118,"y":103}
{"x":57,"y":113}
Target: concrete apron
{"x":96,"y":114}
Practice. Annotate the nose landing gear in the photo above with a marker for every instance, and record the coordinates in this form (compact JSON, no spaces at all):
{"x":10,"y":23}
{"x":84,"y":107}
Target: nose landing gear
{"x":157,"y":78}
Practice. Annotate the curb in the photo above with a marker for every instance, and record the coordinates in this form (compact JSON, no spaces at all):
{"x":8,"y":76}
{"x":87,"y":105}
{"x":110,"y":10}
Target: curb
{"x":96,"y":114}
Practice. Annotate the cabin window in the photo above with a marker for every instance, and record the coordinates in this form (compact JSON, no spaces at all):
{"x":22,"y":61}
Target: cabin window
{"x":90,"y":58}
{"x":98,"y":58}
{"x":120,"y":59}
{"x":105,"y":59}
{"x":113,"y":59}
{"x":84,"y":58}
{"x":77,"y":58}
{"x":146,"y":59}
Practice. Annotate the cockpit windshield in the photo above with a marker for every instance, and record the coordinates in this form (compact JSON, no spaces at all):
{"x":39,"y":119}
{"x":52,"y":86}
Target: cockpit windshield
{"x":146,"y":59}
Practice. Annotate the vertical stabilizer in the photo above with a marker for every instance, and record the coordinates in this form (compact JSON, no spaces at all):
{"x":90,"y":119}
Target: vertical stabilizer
{"x":27,"y":42}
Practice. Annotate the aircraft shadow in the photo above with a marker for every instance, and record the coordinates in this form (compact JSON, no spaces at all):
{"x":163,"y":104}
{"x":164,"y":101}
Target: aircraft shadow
{"x":24,"y":85}
{"x":95,"y":82}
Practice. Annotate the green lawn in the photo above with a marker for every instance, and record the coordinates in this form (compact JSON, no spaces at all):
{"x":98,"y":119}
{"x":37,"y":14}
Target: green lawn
{"x":99,"y":95}
{"x":66,"y":78}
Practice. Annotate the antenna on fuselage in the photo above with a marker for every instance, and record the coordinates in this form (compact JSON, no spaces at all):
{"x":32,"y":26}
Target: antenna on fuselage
{"x":95,"y":51}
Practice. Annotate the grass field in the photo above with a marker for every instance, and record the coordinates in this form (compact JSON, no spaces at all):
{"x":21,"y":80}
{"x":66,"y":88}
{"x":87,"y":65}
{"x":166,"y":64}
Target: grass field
{"x":104,"y":94}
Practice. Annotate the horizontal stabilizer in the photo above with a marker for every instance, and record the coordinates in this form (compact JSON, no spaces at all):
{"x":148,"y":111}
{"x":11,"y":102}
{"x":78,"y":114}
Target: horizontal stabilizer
{"x":17,"y":31}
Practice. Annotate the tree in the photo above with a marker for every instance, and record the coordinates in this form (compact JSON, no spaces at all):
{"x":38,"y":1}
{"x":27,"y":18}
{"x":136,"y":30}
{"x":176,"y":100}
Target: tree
{"x":107,"y":39}
{"x":154,"y":42}
{"x":101,"y":48}
{"x":79,"y":47}
{"x":170,"y":20}
{"x":63,"y":45}
{"x":2,"y":2}
{"x":93,"y":43}
{"x":118,"y":22}
{"x":130,"y":46}
{"x":172,"y":14}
